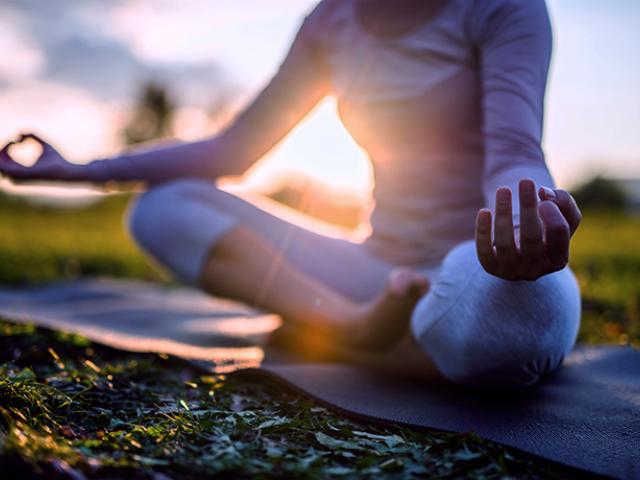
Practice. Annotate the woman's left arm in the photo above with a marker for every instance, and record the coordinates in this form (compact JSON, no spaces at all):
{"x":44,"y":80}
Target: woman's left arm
{"x":529,"y":236}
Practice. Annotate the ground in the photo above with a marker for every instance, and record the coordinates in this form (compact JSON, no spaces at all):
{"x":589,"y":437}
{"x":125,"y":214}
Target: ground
{"x":73,"y":409}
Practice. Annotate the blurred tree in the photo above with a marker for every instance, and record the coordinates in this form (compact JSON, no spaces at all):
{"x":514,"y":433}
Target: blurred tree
{"x":152,"y":116}
{"x":601,"y":192}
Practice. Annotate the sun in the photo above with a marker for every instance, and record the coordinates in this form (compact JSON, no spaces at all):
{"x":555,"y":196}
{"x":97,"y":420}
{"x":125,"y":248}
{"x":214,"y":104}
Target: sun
{"x":322,"y":149}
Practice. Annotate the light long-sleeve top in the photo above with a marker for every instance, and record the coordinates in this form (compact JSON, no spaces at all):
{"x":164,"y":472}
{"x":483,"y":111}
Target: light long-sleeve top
{"x":448,"y":112}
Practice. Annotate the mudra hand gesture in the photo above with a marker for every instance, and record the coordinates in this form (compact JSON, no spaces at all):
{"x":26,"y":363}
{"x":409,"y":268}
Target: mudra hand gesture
{"x":49,"y":165}
{"x":542,"y":244}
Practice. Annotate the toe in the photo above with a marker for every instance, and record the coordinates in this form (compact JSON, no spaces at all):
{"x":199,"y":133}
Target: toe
{"x":421,"y":284}
{"x":400,"y":281}
{"x":404,"y":281}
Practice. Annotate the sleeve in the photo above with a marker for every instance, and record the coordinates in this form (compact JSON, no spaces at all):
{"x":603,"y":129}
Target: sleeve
{"x":300,"y":82}
{"x":513,"y":38}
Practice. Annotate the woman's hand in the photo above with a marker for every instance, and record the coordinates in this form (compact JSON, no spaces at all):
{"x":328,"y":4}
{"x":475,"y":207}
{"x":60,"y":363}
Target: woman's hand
{"x":50,"y":165}
{"x":545,"y":230}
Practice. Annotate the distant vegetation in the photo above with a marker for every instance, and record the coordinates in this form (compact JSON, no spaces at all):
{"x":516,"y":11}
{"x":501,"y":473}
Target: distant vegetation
{"x":601,"y":193}
{"x":39,"y":243}
{"x":151,"y":118}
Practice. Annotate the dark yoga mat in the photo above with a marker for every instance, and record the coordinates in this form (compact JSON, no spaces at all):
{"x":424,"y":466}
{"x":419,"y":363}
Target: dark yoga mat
{"x":585,"y":416}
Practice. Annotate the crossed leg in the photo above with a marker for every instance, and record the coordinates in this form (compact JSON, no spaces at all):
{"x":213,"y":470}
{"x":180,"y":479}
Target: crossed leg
{"x":471,"y":327}
{"x":231,"y":248}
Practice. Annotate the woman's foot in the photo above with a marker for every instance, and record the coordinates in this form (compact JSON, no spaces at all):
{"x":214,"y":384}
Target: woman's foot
{"x":382,"y":321}
{"x":365,"y":327}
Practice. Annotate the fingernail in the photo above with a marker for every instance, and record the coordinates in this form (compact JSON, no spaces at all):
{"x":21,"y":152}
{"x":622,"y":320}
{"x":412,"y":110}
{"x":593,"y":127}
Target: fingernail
{"x":548,"y":193}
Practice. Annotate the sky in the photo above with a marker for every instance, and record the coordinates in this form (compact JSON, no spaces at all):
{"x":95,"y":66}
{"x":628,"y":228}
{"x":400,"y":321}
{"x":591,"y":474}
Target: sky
{"x":71,"y":70}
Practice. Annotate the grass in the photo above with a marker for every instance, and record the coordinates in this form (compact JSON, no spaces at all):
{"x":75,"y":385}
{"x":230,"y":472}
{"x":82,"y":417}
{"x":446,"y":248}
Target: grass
{"x":606,"y":259}
{"x":73,"y":409}
{"x":39,"y":244}
{"x":78,"y":409}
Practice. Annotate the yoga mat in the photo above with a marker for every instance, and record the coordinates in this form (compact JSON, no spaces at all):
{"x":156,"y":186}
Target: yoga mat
{"x":587,"y":415}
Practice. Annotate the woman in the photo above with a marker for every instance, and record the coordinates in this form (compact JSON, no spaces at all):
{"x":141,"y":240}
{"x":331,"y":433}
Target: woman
{"x":447,"y":99}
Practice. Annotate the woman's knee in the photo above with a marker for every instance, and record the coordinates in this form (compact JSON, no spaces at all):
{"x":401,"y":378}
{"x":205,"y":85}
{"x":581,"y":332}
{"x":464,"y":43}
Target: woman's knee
{"x":480,"y":329}
{"x":176,"y":223}
{"x":154,"y":211}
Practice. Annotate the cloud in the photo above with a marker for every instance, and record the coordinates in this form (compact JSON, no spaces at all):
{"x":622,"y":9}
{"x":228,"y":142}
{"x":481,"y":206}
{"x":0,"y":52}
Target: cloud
{"x":66,"y":42}
{"x":78,"y":124}
{"x":21,"y":59}
{"x":110,"y":71}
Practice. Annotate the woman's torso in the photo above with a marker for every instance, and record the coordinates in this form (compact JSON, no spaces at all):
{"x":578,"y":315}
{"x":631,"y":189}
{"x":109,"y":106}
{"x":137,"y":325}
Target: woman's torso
{"x":413,"y":102}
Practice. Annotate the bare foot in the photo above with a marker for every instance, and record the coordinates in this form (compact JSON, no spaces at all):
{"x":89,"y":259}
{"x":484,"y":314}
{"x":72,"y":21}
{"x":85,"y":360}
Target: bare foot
{"x":368,"y":327}
{"x":383,"y":321}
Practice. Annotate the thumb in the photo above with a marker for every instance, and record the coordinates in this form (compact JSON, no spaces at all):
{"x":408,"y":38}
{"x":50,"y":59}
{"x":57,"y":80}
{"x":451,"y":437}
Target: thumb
{"x":566,"y":203}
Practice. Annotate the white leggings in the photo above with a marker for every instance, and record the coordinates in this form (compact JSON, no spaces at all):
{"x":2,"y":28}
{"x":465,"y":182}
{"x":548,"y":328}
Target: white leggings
{"x":476,"y":328}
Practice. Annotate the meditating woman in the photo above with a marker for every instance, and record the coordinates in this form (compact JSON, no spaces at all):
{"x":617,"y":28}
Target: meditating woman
{"x":446,"y":96}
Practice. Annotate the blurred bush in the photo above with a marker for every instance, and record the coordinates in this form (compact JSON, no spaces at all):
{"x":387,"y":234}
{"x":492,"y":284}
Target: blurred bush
{"x":601,"y":193}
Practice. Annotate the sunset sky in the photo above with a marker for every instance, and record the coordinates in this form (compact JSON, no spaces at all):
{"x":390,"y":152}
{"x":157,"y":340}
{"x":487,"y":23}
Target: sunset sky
{"x":71,"y":69}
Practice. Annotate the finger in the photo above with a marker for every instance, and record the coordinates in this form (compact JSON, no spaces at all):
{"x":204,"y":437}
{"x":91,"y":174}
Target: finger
{"x":403,"y":281}
{"x":4,"y":152}
{"x":8,"y":166}
{"x":530,"y":224}
{"x":506,"y":251}
{"x":556,"y":233}
{"x":566,"y":203}
{"x":11,"y":168}
{"x":33,"y":136}
{"x":7,"y":163}
{"x":484,"y":246}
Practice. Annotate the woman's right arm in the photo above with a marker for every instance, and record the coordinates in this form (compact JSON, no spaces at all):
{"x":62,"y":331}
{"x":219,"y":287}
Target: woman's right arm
{"x":299,"y":84}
